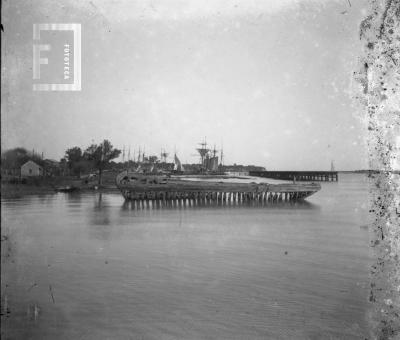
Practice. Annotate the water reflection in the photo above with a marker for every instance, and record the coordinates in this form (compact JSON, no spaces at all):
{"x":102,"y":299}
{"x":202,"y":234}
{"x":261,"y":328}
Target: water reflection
{"x":100,"y":225}
{"x":283,"y":270}
{"x":72,"y":197}
{"x":195,"y":204}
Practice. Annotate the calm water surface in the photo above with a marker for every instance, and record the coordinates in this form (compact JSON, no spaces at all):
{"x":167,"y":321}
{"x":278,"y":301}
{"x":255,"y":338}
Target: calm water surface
{"x":88,"y":266}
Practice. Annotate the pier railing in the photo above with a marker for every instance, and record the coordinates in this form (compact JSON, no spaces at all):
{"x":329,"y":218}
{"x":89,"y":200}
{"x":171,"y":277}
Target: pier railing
{"x":314,"y":176}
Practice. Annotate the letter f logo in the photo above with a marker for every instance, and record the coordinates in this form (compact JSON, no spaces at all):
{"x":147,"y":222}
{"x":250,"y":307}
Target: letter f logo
{"x":37,"y":61}
{"x":37,"y":48}
{"x":40,"y":51}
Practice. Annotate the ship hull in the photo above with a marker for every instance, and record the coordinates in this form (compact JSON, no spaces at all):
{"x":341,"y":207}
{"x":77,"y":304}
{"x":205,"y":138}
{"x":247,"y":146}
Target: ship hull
{"x":141,"y":187}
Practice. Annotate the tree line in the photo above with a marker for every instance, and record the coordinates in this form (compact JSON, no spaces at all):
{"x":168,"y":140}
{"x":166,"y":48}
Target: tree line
{"x":95,"y":156}
{"x":14,"y":158}
{"x":77,"y":160}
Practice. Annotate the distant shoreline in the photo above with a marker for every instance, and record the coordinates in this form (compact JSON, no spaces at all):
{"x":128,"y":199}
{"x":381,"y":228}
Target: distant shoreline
{"x":20,"y":190}
{"x":397,"y":172}
{"x":45,"y":187}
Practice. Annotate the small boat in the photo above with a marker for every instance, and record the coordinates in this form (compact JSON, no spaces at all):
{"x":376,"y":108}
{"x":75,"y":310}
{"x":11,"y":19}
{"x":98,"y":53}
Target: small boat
{"x":139,"y":186}
{"x":67,"y":188}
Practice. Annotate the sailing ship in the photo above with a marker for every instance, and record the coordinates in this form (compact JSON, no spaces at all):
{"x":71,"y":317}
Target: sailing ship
{"x":178,"y":167}
{"x":209,"y":161}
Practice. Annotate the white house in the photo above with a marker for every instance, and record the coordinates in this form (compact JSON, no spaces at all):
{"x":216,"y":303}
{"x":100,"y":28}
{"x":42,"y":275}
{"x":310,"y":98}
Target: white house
{"x":30,"y":169}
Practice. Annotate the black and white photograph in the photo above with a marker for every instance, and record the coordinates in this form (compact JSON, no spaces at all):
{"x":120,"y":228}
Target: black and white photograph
{"x":188,"y":169}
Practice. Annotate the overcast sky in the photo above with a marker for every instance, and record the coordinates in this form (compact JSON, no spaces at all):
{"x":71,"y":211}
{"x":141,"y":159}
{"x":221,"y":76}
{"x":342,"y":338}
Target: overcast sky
{"x":271,"y":80}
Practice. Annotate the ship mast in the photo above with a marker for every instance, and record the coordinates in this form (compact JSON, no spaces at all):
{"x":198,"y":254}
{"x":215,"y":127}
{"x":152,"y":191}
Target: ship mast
{"x":214,"y":151}
{"x":164,"y":156}
{"x":203,"y":151}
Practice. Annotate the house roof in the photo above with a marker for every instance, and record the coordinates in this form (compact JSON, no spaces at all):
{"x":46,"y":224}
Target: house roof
{"x":30,"y":163}
{"x":51,"y":162}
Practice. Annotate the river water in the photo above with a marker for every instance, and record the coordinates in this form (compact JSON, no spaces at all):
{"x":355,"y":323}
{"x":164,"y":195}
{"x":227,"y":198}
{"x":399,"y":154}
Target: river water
{"x":89,"y":266}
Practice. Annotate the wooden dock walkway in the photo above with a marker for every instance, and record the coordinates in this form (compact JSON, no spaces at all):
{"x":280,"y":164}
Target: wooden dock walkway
{"x":307,"y":176}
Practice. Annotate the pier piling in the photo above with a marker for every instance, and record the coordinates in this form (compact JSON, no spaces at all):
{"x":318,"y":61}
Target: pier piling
{"x":305,"y":176}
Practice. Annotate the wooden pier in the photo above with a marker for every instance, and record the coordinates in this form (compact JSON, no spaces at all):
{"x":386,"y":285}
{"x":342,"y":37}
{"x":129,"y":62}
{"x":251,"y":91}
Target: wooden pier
{"x":306,"y":176}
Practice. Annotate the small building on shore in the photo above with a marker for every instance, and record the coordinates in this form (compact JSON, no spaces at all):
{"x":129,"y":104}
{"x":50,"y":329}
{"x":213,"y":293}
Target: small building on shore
{"x":31,"y":169}
{"x":51,"y":168}
{"x":10,"y":172}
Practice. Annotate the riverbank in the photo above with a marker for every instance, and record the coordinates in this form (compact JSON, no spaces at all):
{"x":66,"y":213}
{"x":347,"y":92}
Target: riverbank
{"x":49,"y":185}
{"x":20,"y":190}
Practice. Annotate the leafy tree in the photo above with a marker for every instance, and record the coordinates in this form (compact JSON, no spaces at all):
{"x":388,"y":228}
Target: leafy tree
{"x":101,"y":155}
{"x":75,"y":160}
{"x":153,"y":159}
{"x":63,"y":165}
{"x":14,"y":158}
